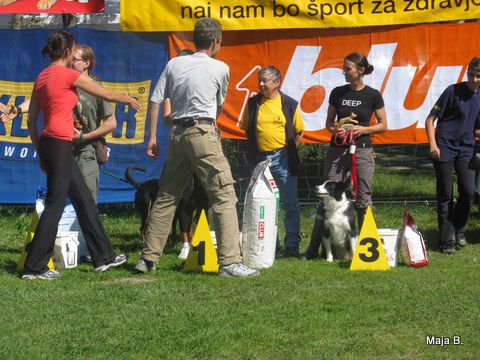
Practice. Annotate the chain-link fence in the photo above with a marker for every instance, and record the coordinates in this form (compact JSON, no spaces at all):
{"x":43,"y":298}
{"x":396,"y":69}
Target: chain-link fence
{"x":404,"y":174}
{"x":399,"y":165}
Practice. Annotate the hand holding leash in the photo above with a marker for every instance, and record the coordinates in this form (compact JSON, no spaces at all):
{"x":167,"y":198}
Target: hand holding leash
{"x":345,"y":136}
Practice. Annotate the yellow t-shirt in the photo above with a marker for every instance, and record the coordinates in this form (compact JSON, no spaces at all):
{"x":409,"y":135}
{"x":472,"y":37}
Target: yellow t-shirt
{"x":271,"y":124}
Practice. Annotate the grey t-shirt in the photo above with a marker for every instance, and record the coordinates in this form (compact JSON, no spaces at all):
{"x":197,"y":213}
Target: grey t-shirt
{"x":195,"y":84}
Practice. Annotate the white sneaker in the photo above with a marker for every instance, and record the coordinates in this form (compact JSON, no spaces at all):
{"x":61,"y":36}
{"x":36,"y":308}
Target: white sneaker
{"x":118,"y":261}
{"x":184,"y":252}
{"x":238,"y":270}
{"x":47,"y":275}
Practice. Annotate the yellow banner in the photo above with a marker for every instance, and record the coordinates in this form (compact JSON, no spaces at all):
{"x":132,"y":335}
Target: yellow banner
{"x":16,"y":131}
{"x":181,"y":15}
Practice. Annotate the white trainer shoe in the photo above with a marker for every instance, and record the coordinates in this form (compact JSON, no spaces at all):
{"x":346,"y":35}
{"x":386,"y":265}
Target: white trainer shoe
{"x":238,"y":270}
{"x":184,"y":252}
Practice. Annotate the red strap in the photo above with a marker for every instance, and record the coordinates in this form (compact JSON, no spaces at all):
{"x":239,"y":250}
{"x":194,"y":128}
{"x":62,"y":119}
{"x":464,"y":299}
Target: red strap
{"x":343,"y":138}
{"x":346,"y":138}
{"x":353,"y":176}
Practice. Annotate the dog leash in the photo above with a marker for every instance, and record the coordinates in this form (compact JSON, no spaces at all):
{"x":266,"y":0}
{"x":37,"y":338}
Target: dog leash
{"x":114,"y":176}
{"x":346,"y":138}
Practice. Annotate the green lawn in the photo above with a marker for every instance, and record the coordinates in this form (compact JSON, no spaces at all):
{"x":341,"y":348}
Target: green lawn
{"x":295,"y":310}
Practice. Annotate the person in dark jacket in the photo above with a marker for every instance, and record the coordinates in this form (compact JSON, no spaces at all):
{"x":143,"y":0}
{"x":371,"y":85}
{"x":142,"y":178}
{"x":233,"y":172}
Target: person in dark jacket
{"x":452,"y":147}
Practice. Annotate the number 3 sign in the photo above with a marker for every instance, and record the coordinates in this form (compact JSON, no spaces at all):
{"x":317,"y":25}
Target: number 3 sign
{"x":369,"y":253}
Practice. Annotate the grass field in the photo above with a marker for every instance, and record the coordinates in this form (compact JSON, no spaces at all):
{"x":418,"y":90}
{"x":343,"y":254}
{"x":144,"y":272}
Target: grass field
{"x":294,"y":310}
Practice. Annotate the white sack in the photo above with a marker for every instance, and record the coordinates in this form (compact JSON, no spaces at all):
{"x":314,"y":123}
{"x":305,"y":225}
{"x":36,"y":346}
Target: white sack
{"x":260,"y":218}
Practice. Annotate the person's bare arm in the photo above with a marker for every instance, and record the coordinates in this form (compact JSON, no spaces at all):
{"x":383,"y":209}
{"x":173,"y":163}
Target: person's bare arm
{"x":85,"y":83}
{"x":167,"y":111}
{"x":430,"y":129}
{"x":331,"y":116}
{"x":33,"y":111}
{"x":105,"y":128}
{"x":12,"y":113}
{"x":152,"y":147}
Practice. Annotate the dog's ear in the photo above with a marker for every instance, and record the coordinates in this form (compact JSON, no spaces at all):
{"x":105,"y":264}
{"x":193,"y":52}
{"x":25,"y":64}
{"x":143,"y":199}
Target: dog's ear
{"x":347,"y":188}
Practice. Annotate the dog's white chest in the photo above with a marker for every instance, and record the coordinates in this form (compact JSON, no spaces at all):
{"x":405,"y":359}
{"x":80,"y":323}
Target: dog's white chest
{"x":337,"y":221}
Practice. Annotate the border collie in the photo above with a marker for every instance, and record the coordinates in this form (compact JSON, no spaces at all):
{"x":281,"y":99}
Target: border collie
{"x":334,"y":226}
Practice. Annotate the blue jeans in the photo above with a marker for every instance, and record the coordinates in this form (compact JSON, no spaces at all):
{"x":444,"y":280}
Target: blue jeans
{"x":287,"y":185}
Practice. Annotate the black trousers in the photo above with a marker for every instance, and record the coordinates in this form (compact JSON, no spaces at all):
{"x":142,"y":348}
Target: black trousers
{"x":184,"y":213}
{"x":64,"y":178}
{"x":452,"y":219}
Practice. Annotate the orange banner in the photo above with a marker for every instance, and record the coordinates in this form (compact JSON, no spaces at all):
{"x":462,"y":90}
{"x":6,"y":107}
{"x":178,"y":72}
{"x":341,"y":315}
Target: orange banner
{"x":52,"y":6}
{"x":413,"y":65}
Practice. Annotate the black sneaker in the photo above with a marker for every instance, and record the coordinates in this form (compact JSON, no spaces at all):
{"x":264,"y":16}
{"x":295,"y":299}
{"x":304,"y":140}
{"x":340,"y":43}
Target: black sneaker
{"x":448,"y":249}
{"x":460,"y":240}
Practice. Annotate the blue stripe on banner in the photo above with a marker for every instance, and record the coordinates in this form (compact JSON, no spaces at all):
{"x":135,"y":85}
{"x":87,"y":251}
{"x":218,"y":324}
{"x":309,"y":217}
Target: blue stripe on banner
{"x":129,"y":62}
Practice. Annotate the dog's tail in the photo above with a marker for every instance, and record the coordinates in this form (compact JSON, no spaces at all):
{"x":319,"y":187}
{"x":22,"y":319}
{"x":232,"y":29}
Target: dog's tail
{"x":129,"y":177}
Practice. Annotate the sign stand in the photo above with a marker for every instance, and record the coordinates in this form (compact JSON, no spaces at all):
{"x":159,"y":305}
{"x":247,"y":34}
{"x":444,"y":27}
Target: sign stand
{"x":202,"y":256}
{"x":369,"y":253}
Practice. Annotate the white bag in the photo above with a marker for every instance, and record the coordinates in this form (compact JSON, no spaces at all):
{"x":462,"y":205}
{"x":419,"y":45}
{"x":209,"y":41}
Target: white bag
{"x":65,"y":251}
{"x":260,"y":218}
{"x":389,"y":238}
{"x":69,"y":222}
{"x":411,"y":247}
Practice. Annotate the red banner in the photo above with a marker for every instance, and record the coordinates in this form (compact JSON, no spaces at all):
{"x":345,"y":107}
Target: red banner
{"x":413,"y":65}
{"x":52,"y":6}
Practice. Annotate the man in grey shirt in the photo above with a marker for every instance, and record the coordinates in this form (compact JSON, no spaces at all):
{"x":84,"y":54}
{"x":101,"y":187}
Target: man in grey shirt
{"x":196,"y":86}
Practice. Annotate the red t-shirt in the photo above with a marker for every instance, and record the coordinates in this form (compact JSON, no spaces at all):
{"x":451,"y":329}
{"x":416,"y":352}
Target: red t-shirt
{"x":57,"y":97}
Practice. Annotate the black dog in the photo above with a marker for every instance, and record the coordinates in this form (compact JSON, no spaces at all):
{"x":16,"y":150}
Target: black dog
{"x":334,"y":226}
{"x":144,"y":196}
{"x":147,"y":193}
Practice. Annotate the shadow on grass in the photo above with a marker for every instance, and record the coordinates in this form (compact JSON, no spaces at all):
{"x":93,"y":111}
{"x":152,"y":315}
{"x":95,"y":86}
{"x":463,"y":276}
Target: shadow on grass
{"x":117,"y":210}
{"x":10,"y":267}
{"x":10,"y":250}
{"x":127,"y":244}
{"x":430,"y":238}
{"x":473,"y":237}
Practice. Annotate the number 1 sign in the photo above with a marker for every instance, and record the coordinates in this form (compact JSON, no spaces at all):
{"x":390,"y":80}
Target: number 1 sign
{"x":202,"y":256}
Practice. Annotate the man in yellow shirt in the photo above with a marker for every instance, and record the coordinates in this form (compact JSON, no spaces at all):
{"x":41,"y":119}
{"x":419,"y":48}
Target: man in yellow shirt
{"x":273,"y":126}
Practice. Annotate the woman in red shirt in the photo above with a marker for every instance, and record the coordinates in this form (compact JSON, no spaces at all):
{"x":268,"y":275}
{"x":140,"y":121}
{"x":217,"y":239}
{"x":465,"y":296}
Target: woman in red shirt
{"x":54,"y":93}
